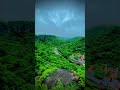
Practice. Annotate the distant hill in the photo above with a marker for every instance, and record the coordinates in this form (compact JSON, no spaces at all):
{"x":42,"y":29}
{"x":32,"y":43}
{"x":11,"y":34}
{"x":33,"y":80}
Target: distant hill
{"x":99,"y":30}
{"x":44,"y":37}
{"x":51,"y":37}
{"x":63,"y":38}
{"x":75,"y":39}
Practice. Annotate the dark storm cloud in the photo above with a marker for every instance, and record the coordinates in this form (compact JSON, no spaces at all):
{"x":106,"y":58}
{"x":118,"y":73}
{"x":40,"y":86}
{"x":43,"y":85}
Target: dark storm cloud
{"x":17,"y":9}
{"x":102,"y":12}
{"x":58,"y":1}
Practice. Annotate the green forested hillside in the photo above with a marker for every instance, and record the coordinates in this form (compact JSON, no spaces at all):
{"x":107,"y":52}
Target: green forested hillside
{"x":17,"y":55}
{"x":102,"y":48}
{"x":48,"y":61}
{"x":102,"y":45}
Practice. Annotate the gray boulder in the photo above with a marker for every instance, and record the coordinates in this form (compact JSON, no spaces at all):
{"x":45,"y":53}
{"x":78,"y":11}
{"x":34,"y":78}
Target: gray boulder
{"x":65,"y":76}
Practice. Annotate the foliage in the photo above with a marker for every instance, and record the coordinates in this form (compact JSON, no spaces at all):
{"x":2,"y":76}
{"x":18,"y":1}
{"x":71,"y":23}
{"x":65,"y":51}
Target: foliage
{"x":99,"y":72}
{"x":16,"y":55}
{"x":47,"y":61}
{"x":102,"y":45}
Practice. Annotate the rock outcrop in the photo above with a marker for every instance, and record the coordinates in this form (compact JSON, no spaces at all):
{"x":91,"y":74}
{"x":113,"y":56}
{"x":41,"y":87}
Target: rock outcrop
{"x":65,"y":76}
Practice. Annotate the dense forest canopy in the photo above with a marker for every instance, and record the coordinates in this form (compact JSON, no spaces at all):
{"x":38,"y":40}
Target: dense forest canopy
{"x":17,"y":52}
{"x":102,"y":44}
{"x":102,"y":58}
{"x":48,"y":61}
{"x":17,"y":55}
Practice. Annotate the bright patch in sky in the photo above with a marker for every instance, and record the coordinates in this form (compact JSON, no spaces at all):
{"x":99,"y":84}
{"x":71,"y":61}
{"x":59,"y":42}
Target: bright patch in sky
{"x":66,"y":19}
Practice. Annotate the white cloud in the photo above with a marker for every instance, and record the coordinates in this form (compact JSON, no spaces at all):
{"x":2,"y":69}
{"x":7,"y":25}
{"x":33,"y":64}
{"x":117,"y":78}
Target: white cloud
{"x":43,"y":20}
{"x":59,"y":17}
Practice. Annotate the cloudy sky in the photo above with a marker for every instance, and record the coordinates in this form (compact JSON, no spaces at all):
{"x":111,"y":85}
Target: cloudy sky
{"x":65,"y":18}
{"x":97,"y":12}
{"x":102,"y":12}
{"x":17,"y":9}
